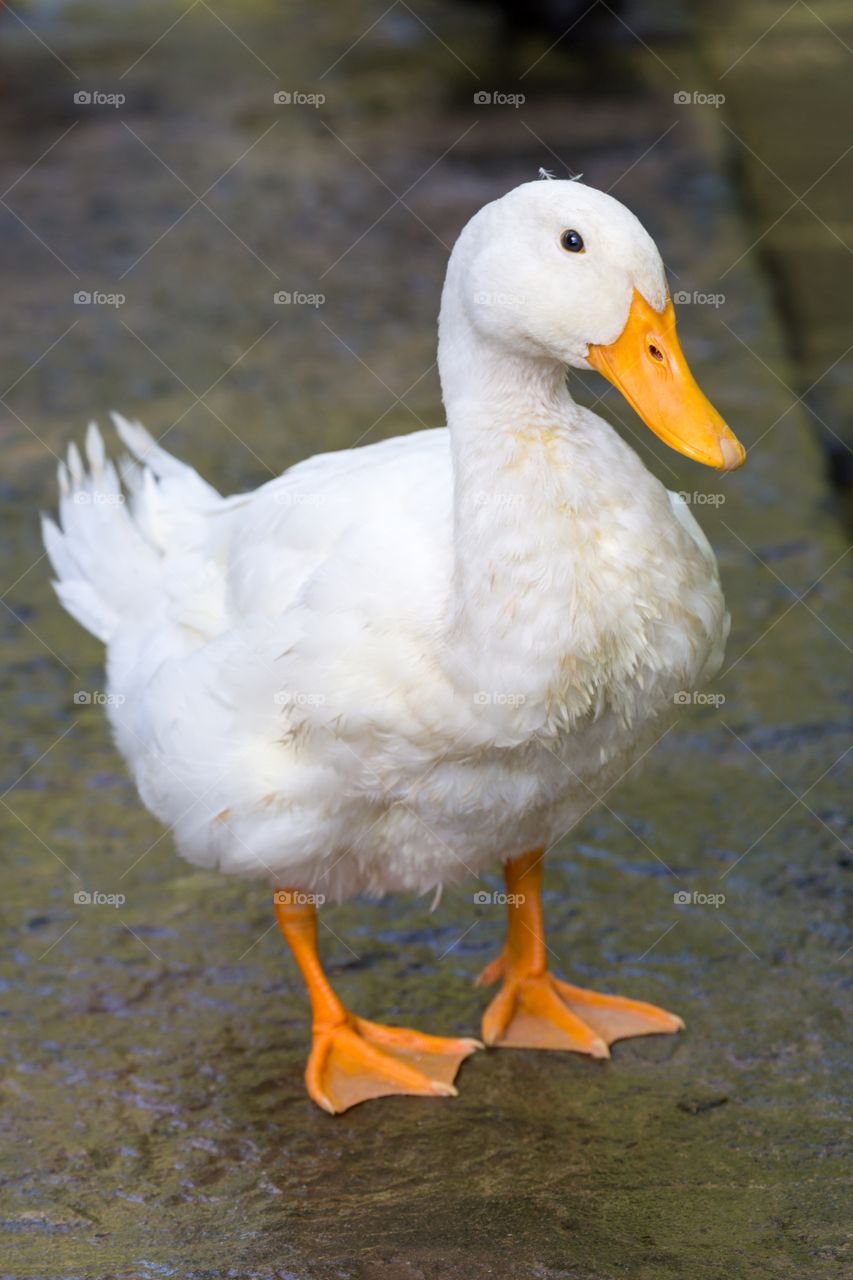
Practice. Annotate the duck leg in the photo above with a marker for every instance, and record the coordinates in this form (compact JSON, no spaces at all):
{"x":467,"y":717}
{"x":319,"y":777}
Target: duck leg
{"x":535,"y":1010}
{"x":352,"y":1059}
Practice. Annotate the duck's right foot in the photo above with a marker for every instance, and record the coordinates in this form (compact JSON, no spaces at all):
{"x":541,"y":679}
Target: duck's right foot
{"x":354,"y":1060}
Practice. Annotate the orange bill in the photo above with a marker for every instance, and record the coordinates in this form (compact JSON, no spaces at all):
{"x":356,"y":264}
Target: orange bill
{"x":648,"y":366}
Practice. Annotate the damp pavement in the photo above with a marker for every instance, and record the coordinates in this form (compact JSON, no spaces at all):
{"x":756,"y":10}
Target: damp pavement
{"x":787,"y":133}
{"x":155,"y":1122}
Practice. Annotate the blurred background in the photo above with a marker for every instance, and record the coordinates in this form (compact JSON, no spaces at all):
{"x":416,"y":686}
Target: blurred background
{"x":232,"y":221}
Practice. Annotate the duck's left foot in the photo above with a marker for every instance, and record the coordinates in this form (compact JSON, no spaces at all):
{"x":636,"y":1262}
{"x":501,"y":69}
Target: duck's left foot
{"x":535,"y":1010}
{"x":538,"y":1011}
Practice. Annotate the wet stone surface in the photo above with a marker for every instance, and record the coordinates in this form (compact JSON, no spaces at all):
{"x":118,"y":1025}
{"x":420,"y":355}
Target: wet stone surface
{"x":788,"y":141}
{"x":155,"y":1122}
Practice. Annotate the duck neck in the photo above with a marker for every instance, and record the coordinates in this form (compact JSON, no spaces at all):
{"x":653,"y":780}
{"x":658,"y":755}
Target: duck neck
{"x":514,"y":428}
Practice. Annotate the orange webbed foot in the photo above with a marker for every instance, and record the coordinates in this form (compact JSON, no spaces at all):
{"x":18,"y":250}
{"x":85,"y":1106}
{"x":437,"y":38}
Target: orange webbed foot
{"x":617,"y":1017}
{"x":538,"y":1011}
{"x":352,"y":1059}
{"x":356,"y":1060}
{"x":535,"y":1010}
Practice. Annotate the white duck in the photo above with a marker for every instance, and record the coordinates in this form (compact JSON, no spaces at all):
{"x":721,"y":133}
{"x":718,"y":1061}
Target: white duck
{"x":396,"y":666}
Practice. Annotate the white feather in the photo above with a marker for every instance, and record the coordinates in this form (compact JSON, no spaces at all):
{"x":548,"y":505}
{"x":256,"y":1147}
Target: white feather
{"x":396,"y":665}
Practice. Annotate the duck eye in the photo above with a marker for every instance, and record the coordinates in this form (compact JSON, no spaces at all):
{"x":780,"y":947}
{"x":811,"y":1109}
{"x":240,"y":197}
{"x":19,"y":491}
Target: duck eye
{"x":572,"y":241}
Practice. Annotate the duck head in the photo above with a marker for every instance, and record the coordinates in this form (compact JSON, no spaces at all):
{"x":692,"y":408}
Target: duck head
{"x":559,"y":271}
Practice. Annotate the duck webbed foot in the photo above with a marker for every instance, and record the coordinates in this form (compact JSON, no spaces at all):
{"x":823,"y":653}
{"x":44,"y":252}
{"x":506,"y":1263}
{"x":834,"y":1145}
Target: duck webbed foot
{"x":538,"y":1011}
{"x":352,"y":1059}
{"x":357,"y":1060}
{"x":535,"y":1010}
